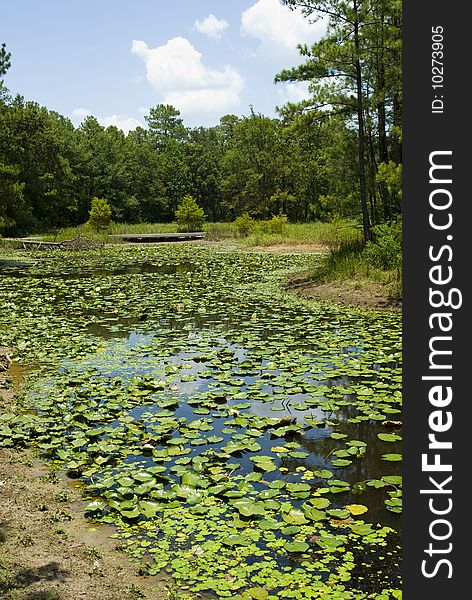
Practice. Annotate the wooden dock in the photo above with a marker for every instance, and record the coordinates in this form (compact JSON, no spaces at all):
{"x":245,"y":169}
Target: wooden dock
{"x":149,"y":238}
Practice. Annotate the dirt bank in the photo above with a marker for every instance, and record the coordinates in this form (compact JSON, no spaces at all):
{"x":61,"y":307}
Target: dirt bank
{"x":355,"y":292}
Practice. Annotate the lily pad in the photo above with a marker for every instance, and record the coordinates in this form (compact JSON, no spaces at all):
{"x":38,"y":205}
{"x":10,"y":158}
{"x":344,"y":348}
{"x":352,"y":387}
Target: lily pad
{"x":235,"y":540}
{"x":392,"y":457}
{"x":296,"y":546}
{"x":357,"y":509}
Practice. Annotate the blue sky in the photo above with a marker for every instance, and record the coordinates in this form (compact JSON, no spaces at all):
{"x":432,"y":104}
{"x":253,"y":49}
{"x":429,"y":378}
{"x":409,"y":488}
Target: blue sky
{"x":116,"y":58}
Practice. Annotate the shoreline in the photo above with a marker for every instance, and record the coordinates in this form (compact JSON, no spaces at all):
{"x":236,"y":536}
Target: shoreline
{"x":48,"y":549}
{"x":365,"y":293}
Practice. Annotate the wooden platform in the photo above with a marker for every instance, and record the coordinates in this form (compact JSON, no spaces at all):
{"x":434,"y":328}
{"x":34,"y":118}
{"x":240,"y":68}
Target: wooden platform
{"x":150,"y":238}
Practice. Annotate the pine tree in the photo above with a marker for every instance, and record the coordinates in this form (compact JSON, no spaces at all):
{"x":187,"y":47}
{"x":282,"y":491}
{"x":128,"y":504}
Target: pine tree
{"x":100,"y":214}
{"x":189,"y":216}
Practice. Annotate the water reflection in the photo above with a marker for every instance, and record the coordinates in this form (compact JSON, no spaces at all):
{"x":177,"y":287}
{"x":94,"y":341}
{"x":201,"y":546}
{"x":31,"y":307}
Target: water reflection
{"x":11,"y":268}
{"x":301,"y":408}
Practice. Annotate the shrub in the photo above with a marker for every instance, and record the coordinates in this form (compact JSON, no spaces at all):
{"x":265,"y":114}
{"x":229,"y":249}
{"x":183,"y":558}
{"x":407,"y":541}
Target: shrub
{"x":100,"y":214}
{"x":264,"y":227}
{"x":244,"y":224}
{"x":390,"y":175}
{"x":385,"y":249}
{"x":189,"y":216}
{"x":277,"y":223}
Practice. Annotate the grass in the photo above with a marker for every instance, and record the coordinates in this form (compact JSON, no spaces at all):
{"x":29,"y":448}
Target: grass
{"x":350,"y":262}
{"x":324,"y":234}
{"x":262,"y":234}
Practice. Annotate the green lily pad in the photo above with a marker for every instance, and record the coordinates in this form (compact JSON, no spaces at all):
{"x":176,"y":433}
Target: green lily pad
{"x":258,"y":593}
{"x":389,"y":437}
{"x":296,"y":546}
{"x":235,"y":540}
{"x":392,"y":479}
{"x":320,"y":502}
{"x":247,"y":508}
{"x":294,"y":517}
{"x":330,"y":542}
{"x":338,"y":513}
{"x":392,"y":457}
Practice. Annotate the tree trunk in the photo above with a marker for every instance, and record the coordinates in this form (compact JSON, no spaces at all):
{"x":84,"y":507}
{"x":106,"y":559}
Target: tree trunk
{"x":360,"y":126}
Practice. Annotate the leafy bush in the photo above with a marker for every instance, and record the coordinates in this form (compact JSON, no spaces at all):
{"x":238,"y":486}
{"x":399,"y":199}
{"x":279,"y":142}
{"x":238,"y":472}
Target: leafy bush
{"x":278,"y":222}
{"x":264,"y":227}
{"x":189,"y":216}
{"x":385,"y":249}
{"x":275,"y":225}
{"x":100,"y":214}
{"x":244,"y":224}
{"x":390,"y":174}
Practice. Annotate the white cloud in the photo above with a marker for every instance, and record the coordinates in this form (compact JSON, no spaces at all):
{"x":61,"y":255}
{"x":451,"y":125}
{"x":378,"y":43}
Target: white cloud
{"x":81,"y":113}
{"x":123,"y":122}
{"x":278,"y":28}
{"x":212,"y":27}
{"x":176,"y":71}
{"x":294,"y":92}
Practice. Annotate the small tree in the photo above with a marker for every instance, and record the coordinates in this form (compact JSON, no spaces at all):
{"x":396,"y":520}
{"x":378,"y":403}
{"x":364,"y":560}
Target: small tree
{"x":100,"y":214}
{"x":244,"y":224}
{"x":189,"y":216}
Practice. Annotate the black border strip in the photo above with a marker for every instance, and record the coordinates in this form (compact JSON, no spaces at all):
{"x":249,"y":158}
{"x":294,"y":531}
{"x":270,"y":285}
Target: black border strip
{"x":446,"y":132}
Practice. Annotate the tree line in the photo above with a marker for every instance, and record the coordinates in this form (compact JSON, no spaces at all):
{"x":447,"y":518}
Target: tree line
{"x":337,"y":153}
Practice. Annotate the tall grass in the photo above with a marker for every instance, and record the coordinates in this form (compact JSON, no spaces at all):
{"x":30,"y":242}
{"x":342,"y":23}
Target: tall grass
{"x":379,"y":260}
{"x":328,"y":235}
{"x":217,"y":232}
{"x":344,"y":262}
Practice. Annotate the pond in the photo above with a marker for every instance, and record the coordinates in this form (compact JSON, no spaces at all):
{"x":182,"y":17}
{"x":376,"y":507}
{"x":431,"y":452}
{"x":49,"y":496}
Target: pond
{"x":242,"y":439}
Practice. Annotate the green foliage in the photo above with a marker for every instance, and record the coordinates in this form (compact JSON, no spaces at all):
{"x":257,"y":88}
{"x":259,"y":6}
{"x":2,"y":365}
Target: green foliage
{"x":344,"y":261}
{"x":4,"y":66}
{"x":219,"y":231}
{"x":283,"y":201}
{"x":100,"y":214}
{"x":189,"y":216}
{"x":13,"y":212}
{"x":308,"y":164}
{"x":354,"y":72}
{"x":389,"y":179}
{"x":244,"y":224}
{"x":166,"y":125}
{"x":274,"y":226}
{"x":385,"y":249}
{"x":390,"y":174}
{"x":256,"y":165}
{"x":379,"y":260}
{"x":277,"y":223}
{"x":5,"y":63}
